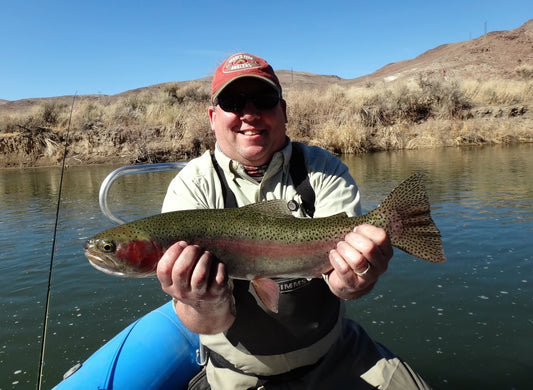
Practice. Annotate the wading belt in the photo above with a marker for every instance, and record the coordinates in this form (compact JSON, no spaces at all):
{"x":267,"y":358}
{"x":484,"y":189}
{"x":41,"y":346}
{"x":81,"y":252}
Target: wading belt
{"x":219,"y":362}
{"x":298,"y":172}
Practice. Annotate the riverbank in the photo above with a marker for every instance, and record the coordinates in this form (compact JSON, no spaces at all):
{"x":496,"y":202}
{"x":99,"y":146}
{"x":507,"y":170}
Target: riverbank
{"x":169,"y":122}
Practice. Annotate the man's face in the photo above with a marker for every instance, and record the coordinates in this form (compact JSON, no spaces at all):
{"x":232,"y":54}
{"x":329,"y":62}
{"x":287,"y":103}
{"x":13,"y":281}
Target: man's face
{"x":252,"y":135}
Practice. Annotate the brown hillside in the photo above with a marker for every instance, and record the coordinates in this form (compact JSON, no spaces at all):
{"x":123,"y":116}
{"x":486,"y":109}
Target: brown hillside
{"x":497,"y":54}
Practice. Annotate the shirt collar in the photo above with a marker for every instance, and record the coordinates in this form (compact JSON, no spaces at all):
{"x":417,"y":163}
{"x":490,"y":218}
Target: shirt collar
{"x":280,"y":160}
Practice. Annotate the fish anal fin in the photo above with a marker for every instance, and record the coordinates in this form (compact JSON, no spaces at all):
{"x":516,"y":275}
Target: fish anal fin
{"x":268,"y":292}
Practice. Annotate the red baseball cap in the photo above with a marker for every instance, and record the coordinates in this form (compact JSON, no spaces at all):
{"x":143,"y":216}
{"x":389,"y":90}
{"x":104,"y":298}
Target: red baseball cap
{"x":243,"y":65}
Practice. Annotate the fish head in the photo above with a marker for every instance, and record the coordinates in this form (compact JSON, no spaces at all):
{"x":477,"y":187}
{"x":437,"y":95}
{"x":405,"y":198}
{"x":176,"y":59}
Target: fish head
{"x":134,"y":258}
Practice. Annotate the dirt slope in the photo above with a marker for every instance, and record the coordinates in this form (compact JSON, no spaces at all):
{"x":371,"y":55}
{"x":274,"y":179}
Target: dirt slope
{"x":498,"y":54}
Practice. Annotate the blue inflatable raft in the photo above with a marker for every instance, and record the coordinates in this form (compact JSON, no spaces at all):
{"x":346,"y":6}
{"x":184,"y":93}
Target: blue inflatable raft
{"x":155,"y":352}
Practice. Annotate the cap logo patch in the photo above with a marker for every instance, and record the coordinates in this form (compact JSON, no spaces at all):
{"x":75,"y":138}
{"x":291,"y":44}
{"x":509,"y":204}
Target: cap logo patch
{"x":239,"y":62}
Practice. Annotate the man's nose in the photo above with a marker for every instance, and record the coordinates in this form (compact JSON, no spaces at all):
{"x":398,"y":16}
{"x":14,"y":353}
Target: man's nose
{"x":250,"y":111}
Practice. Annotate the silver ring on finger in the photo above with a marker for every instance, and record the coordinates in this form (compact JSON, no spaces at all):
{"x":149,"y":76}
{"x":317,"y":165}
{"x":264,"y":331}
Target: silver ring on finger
{"x":368,"y":266}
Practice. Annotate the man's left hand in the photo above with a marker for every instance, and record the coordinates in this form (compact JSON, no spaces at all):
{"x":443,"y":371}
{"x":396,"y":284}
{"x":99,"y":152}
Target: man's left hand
{"x":359,"y":261}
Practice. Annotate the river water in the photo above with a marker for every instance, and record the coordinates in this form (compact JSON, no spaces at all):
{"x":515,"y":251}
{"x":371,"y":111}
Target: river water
{"x":463,"y":324}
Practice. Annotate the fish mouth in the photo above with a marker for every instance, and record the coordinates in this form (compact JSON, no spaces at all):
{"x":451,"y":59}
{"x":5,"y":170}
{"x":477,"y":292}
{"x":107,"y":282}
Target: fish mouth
{"x":107,"y":263}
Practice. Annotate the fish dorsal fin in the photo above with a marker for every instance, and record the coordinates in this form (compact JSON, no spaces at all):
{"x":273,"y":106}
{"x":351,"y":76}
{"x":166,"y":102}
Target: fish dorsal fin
{"x":342,"y":214}
{"x":273,"y":208}
{"x":278,"y":208}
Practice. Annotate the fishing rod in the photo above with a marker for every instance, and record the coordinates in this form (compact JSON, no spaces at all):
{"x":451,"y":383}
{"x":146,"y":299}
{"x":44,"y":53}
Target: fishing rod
{"x":49,"y":285}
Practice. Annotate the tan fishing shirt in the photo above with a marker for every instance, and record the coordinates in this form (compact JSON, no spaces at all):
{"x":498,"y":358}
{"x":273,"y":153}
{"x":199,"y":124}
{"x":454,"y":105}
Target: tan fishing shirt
{"x":197,"y":186}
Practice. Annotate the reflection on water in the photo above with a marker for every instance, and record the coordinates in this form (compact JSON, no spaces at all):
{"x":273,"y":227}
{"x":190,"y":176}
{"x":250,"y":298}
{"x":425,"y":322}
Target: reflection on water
{"x":462,"y":324}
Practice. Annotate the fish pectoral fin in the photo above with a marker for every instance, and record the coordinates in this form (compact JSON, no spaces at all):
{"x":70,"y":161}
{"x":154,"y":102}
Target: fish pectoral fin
{"x":268,"y":292}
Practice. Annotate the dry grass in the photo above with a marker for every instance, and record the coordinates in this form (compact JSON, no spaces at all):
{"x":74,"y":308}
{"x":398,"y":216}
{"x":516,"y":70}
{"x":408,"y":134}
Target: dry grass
{"x":171,"y":123}
{"x":428,"y":112}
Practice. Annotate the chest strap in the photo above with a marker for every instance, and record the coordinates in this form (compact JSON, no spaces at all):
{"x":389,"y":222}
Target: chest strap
{"x":230,"y":202}
{"x":300,"y":179}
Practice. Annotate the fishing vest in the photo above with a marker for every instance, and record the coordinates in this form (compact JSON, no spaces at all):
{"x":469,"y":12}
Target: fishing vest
{"x":308,"y":319}
{"x":299,"y":176}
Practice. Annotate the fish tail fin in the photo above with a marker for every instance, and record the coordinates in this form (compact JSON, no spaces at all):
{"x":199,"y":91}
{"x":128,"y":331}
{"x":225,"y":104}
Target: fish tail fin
{"x":407,"y":219}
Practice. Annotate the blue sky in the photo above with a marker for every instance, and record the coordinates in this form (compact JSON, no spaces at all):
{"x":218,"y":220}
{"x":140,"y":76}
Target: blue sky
{"x":56,"y":47}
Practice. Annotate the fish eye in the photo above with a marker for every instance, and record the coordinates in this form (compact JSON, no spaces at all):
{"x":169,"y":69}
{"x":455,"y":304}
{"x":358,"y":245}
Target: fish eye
{"x":107,"y":246}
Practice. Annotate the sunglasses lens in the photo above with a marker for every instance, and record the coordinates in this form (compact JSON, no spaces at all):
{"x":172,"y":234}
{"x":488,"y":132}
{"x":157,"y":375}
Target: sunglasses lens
{"x":265,"y":101}
{"x":235,"y":102}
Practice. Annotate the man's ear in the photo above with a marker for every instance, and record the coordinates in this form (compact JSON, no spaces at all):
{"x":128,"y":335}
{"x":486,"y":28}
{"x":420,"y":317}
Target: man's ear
{"x":211,"y":111}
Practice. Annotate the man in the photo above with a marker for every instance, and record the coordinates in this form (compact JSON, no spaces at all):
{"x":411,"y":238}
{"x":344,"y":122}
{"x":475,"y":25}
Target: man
{"x":307,"y":344}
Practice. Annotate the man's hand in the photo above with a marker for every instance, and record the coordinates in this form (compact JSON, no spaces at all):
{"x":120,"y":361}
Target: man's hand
{"x":199,"y":285}
{"x":359,"y":261}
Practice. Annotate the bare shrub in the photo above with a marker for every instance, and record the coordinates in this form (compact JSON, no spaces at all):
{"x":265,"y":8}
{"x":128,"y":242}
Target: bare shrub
{"x":444,"y":98}
{"x":194,"y":92}
{"x":303,"y":113}
{"x":88,"y":116}
{"x":130,"y":109}
{"x":410,"y":106}
{"x":343,"y":138}
{"x":9,"y":123}
{"x":525,"y":71}
{"x":498,"y":92}
{"x":50,"y":113}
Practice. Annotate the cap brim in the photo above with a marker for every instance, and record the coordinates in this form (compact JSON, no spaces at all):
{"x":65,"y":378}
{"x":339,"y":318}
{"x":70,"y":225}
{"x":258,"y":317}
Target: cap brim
{"x":223,"y":86}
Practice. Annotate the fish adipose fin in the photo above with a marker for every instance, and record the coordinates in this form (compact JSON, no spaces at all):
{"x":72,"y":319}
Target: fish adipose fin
{"x":406,"y":217}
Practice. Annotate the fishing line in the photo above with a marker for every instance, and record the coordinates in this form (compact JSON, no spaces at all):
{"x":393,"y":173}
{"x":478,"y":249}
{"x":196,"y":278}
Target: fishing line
{"x":49,"y":285}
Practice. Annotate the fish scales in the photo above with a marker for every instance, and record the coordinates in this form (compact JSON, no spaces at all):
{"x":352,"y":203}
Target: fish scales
{"x":264,"y":239}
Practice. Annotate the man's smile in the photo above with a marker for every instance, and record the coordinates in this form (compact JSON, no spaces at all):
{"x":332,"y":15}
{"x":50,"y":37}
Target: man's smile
{"x":251,"y":132}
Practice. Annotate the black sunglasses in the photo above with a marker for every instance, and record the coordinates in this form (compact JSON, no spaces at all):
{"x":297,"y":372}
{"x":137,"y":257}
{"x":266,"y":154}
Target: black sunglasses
{"x":236,"y":101}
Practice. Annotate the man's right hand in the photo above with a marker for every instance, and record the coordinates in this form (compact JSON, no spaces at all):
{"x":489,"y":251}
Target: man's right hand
{"x":200,"y":287}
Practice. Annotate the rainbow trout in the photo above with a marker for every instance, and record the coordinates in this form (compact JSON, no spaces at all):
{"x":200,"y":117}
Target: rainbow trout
{"x":264,"y":240}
